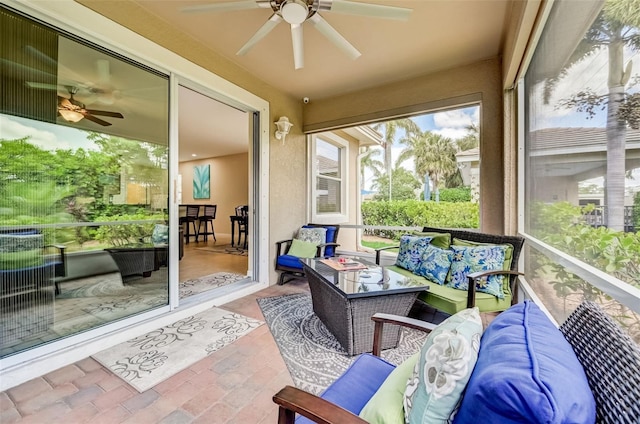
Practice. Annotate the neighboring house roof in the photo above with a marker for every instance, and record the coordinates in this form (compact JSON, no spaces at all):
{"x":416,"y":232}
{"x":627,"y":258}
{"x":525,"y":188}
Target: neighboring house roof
{"x":554,"y":141}
{"x":470,"y":155}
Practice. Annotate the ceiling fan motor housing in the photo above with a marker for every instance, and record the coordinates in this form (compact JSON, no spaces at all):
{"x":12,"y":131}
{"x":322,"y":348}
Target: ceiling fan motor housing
{"x":294,"y":11}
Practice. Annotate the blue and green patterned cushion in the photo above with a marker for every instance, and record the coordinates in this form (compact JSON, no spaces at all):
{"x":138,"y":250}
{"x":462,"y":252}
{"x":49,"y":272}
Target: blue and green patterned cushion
{"x":435,"y":264}
{"x":20,"y":242}
{"x":443,"y":369}
{"x":160,"y":234}
{"x":470,"y":259}
{"x":410,"y":251}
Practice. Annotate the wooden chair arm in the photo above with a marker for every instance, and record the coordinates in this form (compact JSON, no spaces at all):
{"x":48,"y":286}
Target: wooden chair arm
{"x":471,"y":291}
{"x":380,"y":319}
{"x":293,"y":401}
{"x":380,"y":249}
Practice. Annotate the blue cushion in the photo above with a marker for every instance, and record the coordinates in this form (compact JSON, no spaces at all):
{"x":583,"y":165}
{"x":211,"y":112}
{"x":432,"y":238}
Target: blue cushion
{"x":410,"y":251}
{"x":290,"y":261}
{"x":470,"y":259}
{"x":434,"y":264}
{"x":353,"y":389}
{"x":526,"y":373}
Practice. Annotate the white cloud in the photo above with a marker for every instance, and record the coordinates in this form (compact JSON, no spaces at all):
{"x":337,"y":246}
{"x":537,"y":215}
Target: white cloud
{"x":452,"y":133}
{"x":454,"y":123}
{"x":457,"y":118}
{"x":44,"y":135}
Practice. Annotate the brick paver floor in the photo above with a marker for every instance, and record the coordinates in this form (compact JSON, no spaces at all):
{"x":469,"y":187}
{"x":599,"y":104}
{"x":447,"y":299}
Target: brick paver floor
{"x":232,"y":385}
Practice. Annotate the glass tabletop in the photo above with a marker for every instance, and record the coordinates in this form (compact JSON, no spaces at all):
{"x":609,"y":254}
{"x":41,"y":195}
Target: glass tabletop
{"x":370,"y":281}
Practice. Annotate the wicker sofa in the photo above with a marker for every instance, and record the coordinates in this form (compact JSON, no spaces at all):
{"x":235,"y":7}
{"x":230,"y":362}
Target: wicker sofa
{"x":451,"y":300}
{"x":594,"y":343}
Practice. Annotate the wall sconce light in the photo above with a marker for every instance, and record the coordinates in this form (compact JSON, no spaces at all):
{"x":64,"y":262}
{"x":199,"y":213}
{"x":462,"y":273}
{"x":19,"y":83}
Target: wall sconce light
{"x":283,"y":126}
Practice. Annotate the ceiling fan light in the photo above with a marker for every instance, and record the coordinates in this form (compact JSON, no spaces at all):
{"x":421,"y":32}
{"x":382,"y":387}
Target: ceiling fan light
{"x":294,"y":11}
{"x":70,"y":115}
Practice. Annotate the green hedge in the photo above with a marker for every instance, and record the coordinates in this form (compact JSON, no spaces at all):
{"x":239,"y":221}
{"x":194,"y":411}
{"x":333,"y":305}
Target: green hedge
{"x":416,"y":213}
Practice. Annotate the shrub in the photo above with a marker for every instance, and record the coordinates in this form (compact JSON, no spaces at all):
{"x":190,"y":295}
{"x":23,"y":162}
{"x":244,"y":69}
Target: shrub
{"x":416,"y":213}
{"x":458,"y":194}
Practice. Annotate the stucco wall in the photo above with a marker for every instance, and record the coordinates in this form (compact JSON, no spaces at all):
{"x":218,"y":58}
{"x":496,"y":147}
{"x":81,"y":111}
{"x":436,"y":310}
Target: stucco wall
{"x":229,"y":186}
{"x":475,"y":83}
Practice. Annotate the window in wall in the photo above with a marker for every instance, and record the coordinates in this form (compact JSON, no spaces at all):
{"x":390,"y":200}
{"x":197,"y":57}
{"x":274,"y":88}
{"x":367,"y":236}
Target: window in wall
{"x":83,"y":186}
{"x":582,"y":157}
{"x":329,"y":174}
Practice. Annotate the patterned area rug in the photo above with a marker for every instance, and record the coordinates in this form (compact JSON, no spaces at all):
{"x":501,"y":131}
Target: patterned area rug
{"x":225,"y":248}
{"x":150,"y":359}
{"x":312,"y":354}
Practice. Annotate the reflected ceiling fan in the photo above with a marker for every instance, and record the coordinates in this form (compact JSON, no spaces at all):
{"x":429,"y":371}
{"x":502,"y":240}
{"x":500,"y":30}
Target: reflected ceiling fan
{"x":296,"y":12}
{"x":72,"y":110}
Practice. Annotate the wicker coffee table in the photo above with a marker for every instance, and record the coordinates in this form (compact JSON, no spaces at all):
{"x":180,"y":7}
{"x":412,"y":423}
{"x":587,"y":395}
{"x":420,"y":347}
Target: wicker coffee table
{"x":345,"y":301}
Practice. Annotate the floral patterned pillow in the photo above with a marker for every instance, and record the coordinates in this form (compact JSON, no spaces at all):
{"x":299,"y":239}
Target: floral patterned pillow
{"x":435,"y":264}
{"x":444,"y":367}
{"x":467,"y":259}
{"x":410,"y":252}
{"x":313,"y":235}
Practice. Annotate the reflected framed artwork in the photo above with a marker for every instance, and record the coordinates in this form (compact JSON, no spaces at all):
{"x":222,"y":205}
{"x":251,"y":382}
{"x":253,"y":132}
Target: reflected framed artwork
{"x":201,"y":182}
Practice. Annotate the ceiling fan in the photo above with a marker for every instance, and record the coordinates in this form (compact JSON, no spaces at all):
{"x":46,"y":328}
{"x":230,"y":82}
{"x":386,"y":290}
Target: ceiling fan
{"x":72,"y":110}
{"x":296,"y":12}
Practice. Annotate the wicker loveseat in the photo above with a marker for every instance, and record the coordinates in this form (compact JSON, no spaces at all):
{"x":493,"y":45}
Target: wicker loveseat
{"x":587,"y":371}
{"x":451,"y":300}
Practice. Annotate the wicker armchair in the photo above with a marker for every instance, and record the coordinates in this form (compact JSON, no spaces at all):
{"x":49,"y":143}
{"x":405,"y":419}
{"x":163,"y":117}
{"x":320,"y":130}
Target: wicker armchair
{"x":290,"y":267}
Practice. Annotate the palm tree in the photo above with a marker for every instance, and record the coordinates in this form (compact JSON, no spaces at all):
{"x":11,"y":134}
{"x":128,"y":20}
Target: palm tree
{"x":369,"y":161}
{"x":390,"y":130}
{"x":615,"y":29}
{"x":433,"y":155}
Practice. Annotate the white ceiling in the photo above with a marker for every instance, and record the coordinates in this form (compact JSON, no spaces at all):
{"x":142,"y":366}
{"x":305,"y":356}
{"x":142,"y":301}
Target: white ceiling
{"x":208,"y":128}
{"x":440,"y":34}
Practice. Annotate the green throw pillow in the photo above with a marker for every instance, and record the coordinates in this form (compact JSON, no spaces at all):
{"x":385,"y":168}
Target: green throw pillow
{"x":385,"y":406}
{"x":23,"y":259}
{"x":443,"y":369}
{"x":441,"y":240}
{"x":302,"y":249}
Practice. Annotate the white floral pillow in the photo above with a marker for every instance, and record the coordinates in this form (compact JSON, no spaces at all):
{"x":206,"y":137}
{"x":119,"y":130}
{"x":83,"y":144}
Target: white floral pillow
{"x":313,"y":235}
{"x":443,"y":369}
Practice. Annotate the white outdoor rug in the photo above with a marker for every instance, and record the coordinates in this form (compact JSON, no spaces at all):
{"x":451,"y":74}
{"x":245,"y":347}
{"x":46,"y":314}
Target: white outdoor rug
{"x":150,"y":359}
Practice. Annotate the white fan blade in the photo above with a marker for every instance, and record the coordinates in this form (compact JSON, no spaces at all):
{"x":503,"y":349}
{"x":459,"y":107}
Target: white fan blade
{"x":334,"y":36}
{"x":298,"y":45}
{"x":265,"y":29}
{"x":371,"y":10}
{"x":226,"y":6}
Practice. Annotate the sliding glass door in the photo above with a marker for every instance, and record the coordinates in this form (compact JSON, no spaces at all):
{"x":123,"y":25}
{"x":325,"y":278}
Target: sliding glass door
{"x":83,"y":185}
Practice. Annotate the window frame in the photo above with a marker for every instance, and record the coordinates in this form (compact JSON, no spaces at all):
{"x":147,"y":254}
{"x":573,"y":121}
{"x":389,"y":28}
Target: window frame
{"x":343,"y":145}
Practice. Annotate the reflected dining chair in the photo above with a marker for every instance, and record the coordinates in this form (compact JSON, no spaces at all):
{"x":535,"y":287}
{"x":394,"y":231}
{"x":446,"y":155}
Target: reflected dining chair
{"x":207,"y":218}
{"x":193,"y":211}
